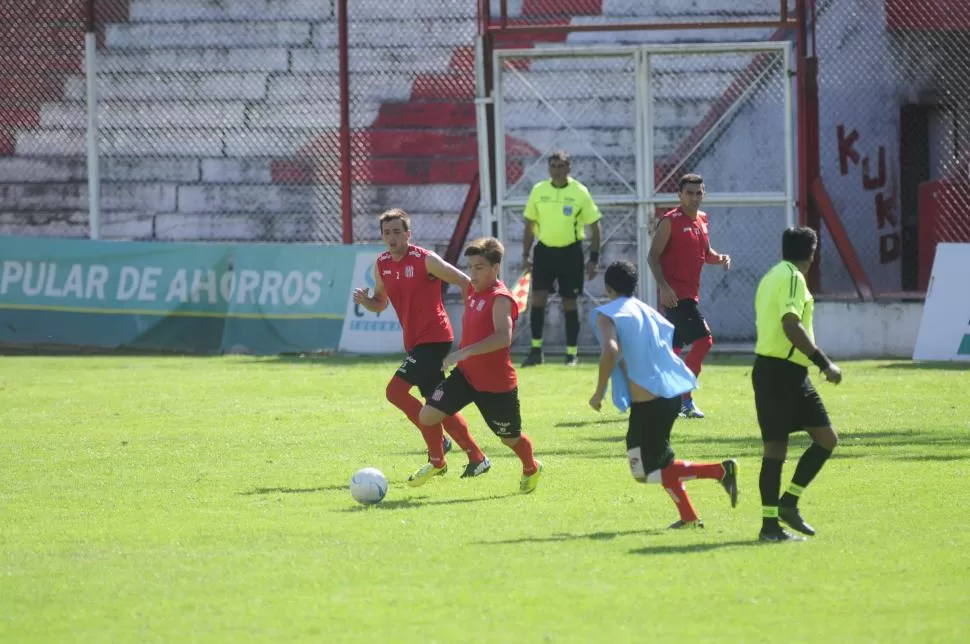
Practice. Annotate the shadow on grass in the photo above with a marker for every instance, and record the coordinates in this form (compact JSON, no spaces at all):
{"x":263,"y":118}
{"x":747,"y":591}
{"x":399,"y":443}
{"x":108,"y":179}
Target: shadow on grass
{"x":694,"y":547}
{"x":587,"y":423}
{"x":421,"y":501}
{"x":568,"y":536}
{"x":942,"y":458}
{"x":928,"y":366}
{"x":294,"y":490}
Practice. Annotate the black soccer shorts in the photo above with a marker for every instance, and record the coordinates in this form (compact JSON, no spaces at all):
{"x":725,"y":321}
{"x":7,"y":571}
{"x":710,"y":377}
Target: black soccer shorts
{"x":785,"y":399}
{"x":689,"y":323}
{"x":499,"y":409}
{"x":422,"y":366}
{"x":565,"y":266}
{"x":649,"y":431}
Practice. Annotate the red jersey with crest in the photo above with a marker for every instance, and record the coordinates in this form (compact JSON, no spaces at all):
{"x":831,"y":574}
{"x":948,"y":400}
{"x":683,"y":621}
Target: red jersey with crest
{"x":686,"y":253}
{"x":488,"y":371}
{"x":416,"y":297}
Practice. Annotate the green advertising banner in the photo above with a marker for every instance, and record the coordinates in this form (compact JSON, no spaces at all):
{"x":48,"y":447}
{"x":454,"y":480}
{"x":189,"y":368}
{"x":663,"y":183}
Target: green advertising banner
{"x":209,"y":298}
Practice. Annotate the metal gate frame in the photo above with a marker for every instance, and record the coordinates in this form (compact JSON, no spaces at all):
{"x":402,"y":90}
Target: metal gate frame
{"x":647,"y":199}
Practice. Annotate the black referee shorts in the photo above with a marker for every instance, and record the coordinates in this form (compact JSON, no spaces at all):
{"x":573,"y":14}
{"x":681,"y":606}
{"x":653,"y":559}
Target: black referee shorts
{"x":422,"y":366}
{"x":689,"y":323}
{"x":649,"y":429}
{"x":563,"y":266}
{"x":785,"y":399}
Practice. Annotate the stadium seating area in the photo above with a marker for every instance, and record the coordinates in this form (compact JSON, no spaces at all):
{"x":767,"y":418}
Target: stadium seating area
{"x":219,"y":120}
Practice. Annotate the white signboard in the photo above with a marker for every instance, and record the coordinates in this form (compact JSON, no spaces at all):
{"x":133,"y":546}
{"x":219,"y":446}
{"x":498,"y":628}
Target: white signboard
{"x":944,"y":332}
{"x":366,"y":332}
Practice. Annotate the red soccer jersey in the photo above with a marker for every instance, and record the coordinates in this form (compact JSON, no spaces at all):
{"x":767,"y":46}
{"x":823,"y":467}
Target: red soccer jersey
{"x":489,"y":371}
{"x":416,"y":297}
{"x":686,"y":253}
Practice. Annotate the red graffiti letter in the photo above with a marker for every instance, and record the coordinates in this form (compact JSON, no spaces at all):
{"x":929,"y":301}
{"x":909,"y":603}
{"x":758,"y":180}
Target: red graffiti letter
{"x":885,"y":214}
{"x":870,"y":183}
{"x":889,"y":247}
{"x":846,"y":150}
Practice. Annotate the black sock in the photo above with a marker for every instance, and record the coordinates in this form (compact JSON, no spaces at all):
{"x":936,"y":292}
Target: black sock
{"x":537,"y":318}
{"x":572,"y":328}
{"x":808,"y":466}
{"x":769,"y":483}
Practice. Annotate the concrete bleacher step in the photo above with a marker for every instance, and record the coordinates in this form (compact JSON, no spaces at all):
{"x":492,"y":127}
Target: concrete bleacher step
{"x":242,"y":10}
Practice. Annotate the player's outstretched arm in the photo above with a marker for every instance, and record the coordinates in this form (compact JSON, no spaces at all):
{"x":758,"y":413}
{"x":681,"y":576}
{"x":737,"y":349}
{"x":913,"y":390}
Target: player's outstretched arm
{"x":378,"y":302}
{"x":661,"y":236}
{"x":447,"y":273}
{"x":609,"y":354}
{"x":798,"y":336}
{"x":500,"y":339}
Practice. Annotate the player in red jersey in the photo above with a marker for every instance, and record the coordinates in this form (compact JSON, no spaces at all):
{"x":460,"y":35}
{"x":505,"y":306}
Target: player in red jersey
{"x":410,"y":278}
{"x":484,"y":374}
{"x":679,"y":251}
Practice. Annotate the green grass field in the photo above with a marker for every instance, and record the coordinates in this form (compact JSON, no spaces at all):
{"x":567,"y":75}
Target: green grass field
{"x":178,"y":499}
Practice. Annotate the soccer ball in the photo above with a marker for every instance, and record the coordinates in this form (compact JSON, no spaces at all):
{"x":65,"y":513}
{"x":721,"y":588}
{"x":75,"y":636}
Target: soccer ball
{"x":368,"y":486}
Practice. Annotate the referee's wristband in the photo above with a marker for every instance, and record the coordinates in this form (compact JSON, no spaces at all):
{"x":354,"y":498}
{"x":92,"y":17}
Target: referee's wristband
{"x":594,"y":256}
{"x":820,"y":359}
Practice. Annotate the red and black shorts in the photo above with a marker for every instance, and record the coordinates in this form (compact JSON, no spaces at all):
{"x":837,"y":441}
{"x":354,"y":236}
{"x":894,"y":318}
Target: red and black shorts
{"x":689,"y":323}
{"x":422,"y":366}
{"x":499,"y":409}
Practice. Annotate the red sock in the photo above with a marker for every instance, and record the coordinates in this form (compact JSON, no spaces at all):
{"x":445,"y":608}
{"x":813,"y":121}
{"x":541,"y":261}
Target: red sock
{"x":399,"y":394}
{"x":523,"y":449}
{"x":698,"y":351}
{"x":457,"y":428}
{"x":678,"y":493}
{"x":685,"y":470}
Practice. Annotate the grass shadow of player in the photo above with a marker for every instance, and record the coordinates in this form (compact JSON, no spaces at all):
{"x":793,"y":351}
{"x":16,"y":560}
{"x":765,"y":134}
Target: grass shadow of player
{"x":422,"y":501}
{"x":694,"y":547}
{"x":928,"y":366}
{"x":294,"y":490}
{"x":587,"y":423}
{"x":568,"y":536}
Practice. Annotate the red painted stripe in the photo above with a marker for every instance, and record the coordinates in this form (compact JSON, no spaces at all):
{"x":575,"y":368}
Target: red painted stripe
{"x":928,"y":15}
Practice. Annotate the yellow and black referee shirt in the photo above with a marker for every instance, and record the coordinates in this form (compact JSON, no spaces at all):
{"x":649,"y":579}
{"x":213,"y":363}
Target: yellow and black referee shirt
{"x":782,"y":290}
{"x":561,"y":214}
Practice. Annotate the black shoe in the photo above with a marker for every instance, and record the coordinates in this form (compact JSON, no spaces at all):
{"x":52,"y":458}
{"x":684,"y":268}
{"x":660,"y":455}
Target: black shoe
{"x":572,"y":360}
{"x":680,"y":524}
{"x":777,"y":535}
{"x":793,"y":518}
{"x":476,"y":469}
{"x":534,"y":358}
{"x":730,"y":480}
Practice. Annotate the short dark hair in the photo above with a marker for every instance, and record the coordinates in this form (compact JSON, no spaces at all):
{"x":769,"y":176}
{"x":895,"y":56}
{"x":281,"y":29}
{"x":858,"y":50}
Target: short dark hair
{"x":621,"y":276}
{"x":798,"y":243}
{"x":395,"y":214}
{"x":689,"y":179}
{"x":559,"y":155}
{"x":488,"y":247}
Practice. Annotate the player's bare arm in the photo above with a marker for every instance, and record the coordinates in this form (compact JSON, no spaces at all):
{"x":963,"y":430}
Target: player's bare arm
{"x":596,"y":236}
{"x":609,"y":354}
{"x":378,"y":302}
{"x":798,"y":336}
{"x":661,"y":237}
{"x":447,"y":273}
{"x":501,"y":339}
{"x":527,"y":240}
{"x":714,"y":257}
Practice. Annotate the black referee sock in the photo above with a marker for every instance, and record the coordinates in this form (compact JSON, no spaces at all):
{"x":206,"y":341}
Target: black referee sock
{"x":572,"y":328}
{"x":537,"y":318}
{"x":769,"y":482}
{"x":808,"y":466}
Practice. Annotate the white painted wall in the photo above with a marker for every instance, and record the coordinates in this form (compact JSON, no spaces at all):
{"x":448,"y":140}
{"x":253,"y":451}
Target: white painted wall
{"x":847,"y":330}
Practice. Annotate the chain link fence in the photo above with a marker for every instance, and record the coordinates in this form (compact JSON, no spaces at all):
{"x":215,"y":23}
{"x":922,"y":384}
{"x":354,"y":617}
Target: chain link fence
{"x":220,"y":120}
{"x":894,"y":100}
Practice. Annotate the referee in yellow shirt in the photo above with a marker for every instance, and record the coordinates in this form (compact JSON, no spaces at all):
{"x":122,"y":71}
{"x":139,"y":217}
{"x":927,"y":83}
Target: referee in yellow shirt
{"x":557,"y":213}
{"x":785,"y":399}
